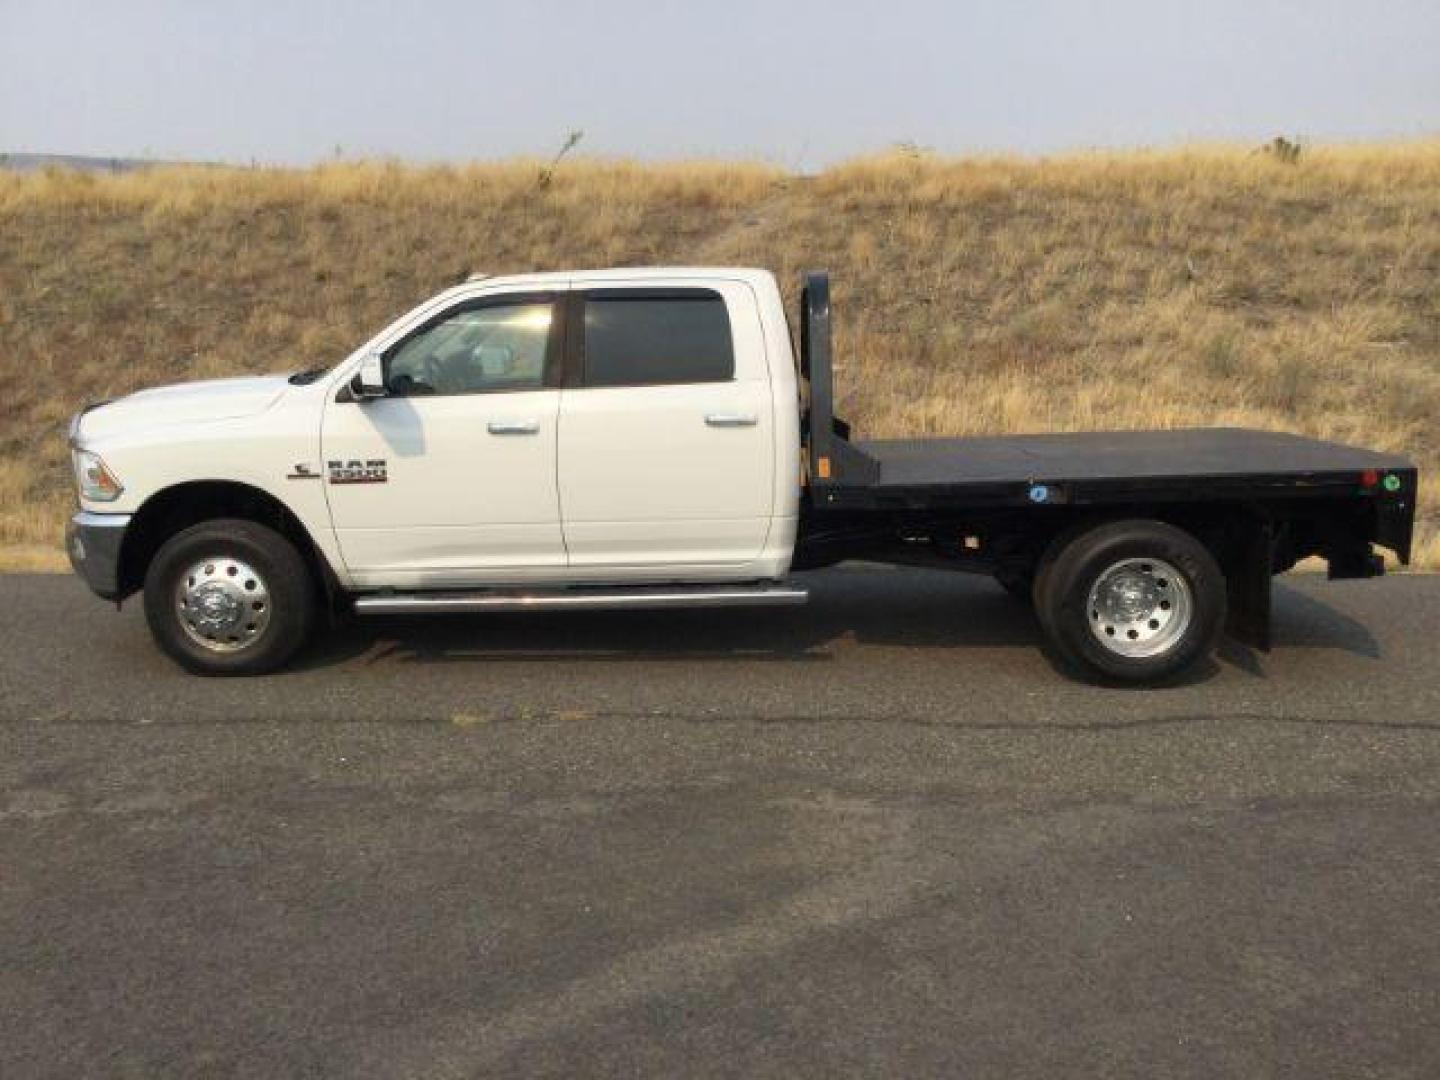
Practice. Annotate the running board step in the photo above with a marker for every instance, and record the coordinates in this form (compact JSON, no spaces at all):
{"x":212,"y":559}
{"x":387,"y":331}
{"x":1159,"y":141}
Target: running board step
{"x":639,"y":598}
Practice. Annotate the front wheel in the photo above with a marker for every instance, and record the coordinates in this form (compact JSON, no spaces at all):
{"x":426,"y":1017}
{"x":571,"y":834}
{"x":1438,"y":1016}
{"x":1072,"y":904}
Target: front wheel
{"x":1132,"y":601}
{"x":229,"y":597}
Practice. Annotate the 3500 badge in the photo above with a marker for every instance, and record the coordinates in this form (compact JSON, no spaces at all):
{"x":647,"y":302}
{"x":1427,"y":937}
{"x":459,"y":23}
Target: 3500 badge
{"x":371,"y":471}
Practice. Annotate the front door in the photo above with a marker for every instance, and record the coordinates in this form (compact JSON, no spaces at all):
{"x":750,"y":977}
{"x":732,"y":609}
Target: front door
{"x":450,"y":479}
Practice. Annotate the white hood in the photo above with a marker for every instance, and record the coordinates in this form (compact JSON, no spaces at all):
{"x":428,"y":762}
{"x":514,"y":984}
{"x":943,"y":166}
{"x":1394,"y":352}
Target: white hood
{"x":184,"y":403}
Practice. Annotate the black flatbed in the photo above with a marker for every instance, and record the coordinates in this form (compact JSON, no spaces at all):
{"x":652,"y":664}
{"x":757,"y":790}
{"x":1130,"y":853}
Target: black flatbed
{"x":1191,"y":454}
{"x":1326,"y":497}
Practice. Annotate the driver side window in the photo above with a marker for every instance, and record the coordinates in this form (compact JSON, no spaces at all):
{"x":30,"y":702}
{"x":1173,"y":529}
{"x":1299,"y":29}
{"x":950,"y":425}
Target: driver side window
{"x":498,"y":346}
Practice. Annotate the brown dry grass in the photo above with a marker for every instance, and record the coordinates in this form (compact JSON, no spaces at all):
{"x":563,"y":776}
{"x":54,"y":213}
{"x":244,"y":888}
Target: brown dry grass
{"x":1201,"y":286}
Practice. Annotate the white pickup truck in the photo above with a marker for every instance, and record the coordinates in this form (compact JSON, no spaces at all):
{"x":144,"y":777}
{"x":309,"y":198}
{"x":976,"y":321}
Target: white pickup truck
{"x":646,"y":438}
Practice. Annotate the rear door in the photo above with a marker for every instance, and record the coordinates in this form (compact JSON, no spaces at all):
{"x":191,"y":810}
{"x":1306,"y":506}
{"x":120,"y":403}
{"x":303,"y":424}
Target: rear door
{"x":666,"y":432}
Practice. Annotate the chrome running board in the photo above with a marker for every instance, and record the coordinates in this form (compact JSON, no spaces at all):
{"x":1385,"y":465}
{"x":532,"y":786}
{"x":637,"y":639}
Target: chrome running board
{"x":638,"y":598}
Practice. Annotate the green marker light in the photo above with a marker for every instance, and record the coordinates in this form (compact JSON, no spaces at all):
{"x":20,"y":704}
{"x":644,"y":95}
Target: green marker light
{"x":1391,"y":482}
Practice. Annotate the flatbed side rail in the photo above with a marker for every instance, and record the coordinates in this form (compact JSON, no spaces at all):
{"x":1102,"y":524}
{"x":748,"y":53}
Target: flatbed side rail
{"x":835,"y":462}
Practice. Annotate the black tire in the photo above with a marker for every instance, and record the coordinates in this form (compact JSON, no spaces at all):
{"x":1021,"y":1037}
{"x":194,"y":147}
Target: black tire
{"x":1039,"y":592}
{"x":1063,"y":601}
{"x":289,"y":597}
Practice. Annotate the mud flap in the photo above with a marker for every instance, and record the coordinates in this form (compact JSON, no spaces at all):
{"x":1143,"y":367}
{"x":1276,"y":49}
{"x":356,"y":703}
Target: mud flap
{"x":1247,"y":579}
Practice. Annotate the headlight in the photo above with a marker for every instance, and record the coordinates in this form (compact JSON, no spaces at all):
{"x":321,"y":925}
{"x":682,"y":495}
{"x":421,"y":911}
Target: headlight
{"x":96,"y":482}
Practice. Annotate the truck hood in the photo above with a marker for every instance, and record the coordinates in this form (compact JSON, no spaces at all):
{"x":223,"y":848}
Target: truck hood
{"x":184,"y":403}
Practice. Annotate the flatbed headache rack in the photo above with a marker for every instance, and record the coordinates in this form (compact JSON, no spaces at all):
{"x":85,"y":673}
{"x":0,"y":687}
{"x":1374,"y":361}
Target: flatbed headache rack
{"x":1279,"y":496}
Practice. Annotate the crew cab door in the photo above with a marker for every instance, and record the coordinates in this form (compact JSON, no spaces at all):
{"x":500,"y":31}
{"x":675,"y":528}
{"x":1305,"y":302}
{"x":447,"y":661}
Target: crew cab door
{"x":450,"y":479}
{"x":666,"y":444}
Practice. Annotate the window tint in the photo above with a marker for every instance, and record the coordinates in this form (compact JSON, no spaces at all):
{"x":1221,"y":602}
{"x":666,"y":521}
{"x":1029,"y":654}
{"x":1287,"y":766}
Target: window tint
{"x":681,"y":338}
{"x":496,"y":347}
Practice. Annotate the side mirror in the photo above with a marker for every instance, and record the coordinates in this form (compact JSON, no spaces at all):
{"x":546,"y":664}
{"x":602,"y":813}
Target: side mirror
{"x":369,"y":380}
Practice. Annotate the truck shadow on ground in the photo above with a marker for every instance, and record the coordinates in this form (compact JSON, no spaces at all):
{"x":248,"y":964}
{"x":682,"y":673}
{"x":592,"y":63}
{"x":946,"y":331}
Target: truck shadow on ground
{"x":1300,"y":621}
{"x":905,"y":608}
{"x":898,"y":608}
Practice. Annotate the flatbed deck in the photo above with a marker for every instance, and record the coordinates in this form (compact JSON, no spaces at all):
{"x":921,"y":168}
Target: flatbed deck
{"x":1129,"y":456}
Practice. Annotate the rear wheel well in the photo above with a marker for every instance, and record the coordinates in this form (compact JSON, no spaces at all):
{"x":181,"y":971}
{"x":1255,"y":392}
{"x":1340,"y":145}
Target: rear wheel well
{"x":175,"y":508}
{"x":1250,"y":540}
{"x":1225,"y":528}
{"x":1243,"y":538}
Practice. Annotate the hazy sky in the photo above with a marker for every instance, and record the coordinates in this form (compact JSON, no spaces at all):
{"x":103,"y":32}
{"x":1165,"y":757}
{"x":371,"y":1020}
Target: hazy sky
{"x":790,"y":81}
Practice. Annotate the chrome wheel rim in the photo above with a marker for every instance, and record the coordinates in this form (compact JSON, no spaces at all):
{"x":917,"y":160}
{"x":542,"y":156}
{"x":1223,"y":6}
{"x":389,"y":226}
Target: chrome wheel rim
{"x":1140,"y":608}
{"x":223,"y":604}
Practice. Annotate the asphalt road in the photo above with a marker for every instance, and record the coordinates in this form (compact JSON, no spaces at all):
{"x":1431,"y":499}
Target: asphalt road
{"x":878,"y":836}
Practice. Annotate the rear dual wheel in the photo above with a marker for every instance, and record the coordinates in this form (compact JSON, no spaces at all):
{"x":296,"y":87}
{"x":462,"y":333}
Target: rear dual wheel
{"x":1131,"y":601}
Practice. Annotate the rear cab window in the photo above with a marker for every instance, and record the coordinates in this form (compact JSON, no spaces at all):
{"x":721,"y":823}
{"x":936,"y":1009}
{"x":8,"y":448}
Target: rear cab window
{"x":656,"y":337}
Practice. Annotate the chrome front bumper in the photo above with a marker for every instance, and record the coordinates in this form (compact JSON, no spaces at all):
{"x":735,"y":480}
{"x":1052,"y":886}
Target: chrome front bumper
{"x":93,"y":544}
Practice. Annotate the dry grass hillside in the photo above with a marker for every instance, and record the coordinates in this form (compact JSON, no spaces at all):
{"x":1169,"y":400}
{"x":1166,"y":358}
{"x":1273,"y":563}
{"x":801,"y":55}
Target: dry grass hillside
{"x":1129,"y":290}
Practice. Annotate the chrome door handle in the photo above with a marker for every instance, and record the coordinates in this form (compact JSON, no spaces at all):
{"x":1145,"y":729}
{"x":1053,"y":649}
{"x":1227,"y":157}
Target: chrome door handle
{"x":513,"y":427}
{"x":731,"y":419}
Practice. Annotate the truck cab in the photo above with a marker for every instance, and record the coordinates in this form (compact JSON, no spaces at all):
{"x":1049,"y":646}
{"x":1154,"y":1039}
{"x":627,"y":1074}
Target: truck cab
{"x":622,"y":426}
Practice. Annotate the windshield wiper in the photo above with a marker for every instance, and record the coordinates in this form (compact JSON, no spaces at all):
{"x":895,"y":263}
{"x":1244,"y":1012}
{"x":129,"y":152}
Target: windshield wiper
{"x":306,"y":377}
